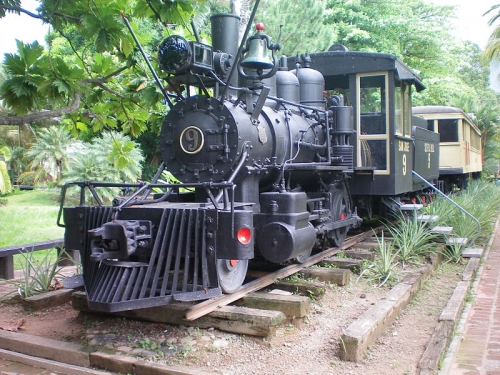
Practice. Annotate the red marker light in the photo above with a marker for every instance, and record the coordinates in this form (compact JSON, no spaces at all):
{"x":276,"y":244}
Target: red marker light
{"x":244,"y":235}
{"x":259,"y":26}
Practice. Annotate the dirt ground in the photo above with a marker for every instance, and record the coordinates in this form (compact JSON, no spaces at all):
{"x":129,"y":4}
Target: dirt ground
{"x":301,"y":346}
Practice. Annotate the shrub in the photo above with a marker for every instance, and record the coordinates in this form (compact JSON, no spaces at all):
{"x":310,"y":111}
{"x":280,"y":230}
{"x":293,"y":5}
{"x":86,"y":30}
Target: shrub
{"x":27,"y":178}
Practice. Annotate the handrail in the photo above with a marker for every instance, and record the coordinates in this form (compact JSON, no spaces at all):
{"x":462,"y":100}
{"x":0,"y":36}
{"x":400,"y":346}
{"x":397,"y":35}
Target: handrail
{"x":453,"y":202}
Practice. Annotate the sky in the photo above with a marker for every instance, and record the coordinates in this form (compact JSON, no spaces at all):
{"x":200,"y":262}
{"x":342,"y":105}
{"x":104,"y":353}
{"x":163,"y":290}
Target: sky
{"x":470,"y":25}
{"x":22,"y":27}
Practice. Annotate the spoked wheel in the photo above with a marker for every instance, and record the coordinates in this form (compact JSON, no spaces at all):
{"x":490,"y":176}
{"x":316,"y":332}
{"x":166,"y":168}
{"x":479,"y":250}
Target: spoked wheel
{"x":231,"y":273}
{"x":339,"y":212}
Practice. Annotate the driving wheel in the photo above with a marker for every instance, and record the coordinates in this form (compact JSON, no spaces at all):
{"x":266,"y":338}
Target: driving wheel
{"x":231,"y":273}
{"x":339,"y":212}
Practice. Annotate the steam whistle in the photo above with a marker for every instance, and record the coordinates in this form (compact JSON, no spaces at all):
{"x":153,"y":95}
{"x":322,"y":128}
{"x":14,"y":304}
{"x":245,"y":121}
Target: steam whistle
{"x":256,"y":57}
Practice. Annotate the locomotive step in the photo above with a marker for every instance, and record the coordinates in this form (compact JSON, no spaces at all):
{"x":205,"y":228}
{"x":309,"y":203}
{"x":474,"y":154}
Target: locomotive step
{"x":411,"y":207}
{"x":472,"y":252}
{"x":456,"y":241}
{"x":442,"y":230}
{"x":427,"y":218}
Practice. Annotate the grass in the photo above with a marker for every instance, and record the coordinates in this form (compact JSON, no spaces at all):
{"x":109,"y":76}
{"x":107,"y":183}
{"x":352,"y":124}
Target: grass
{"x":29,"y":216}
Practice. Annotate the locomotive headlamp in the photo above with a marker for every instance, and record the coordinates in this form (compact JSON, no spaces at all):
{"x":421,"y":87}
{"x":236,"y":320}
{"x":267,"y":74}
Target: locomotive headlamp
{"x":244,"y":235}
{"x":176,"y":56}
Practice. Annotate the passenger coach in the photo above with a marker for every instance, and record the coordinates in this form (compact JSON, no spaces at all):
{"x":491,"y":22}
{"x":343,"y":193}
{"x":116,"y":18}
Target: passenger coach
{"x":460,"y":145}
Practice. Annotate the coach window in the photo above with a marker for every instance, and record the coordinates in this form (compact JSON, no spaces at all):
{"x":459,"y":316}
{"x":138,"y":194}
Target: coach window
{"x":448,"y":129}
{"x":430,"y":125}
{"x":402,"y":117}
{"x":372,"y":109}
{"x":406,"y":95}
{"x":398,"y":105}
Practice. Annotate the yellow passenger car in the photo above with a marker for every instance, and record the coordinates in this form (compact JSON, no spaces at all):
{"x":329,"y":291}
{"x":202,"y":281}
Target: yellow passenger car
{"x":460,"y":155}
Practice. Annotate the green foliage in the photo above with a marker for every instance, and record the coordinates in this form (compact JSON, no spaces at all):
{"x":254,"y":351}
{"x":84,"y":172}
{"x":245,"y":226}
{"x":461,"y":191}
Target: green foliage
{"x":112,"y":157}
{"x":93,"y":65}
{"x":27,"y":178}
{"x":481,"y":200}
{"x":50,"y":151}
{"x":297,"y":17}
{"x":453,"y":253}
{"x":25,"y":71}
{"x":39,"y":276}
{"x":148,"y":344}
{"x":17,"y":160}
{"x":413,"y":30}
{"x":383,"y":269}
{"x":5,"y":184}
{"x":412,"y":239}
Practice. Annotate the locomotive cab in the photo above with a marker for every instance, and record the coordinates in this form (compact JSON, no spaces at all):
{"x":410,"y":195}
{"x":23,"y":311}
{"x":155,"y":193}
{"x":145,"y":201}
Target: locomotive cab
{"x":387,"y":141}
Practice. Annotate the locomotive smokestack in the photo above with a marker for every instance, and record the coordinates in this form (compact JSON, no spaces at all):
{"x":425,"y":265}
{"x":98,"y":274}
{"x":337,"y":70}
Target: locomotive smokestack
{"x":225,"y":29}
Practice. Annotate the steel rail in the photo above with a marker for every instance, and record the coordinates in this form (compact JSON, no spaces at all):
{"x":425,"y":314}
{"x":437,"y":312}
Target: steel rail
{"x":213,"y":304}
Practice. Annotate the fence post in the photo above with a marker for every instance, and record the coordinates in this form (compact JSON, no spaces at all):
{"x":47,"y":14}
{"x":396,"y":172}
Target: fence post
{"x":7,"y":267}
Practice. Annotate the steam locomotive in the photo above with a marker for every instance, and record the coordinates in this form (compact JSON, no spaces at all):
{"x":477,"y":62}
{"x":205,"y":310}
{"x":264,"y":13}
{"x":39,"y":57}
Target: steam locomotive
{"x":272,"y":163}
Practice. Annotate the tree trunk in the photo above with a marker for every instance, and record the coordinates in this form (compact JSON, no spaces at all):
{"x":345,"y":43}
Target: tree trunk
{"x":242,"y":9}
{"x":38,"y":116}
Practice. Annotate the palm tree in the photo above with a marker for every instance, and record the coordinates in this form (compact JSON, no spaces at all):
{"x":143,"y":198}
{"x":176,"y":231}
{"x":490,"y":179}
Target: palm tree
{"x":492,"y":51}
{"x":113,"y":157}
{"x":50,"y":151}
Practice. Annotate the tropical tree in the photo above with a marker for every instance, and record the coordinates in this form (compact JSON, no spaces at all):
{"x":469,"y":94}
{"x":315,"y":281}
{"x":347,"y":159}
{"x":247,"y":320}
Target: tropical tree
{"x":121,"y":154}
{"x":492,"y":51}
{"x":112,"y":157}
{"x":94,"y":74}
{"x":49,"y":152}
{"x":302,"y":24}
{"x":15,"y":159}
{"x":413,"y":30}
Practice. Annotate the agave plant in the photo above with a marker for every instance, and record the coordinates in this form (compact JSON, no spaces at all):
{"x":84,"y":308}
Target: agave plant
{"x":411,"y":240}
{"x":39,"y":275}
{"x":383,"y":268}
{"x":452,"y":253}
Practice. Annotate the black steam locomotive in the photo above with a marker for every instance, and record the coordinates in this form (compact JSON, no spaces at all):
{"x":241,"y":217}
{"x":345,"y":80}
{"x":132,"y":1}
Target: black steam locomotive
{"x":272,"y":162}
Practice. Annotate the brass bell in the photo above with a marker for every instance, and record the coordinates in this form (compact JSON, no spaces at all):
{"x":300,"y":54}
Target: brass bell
{"x":257,"y":45}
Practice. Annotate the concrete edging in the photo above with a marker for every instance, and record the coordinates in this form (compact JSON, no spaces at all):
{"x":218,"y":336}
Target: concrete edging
{"x":363,"y":332}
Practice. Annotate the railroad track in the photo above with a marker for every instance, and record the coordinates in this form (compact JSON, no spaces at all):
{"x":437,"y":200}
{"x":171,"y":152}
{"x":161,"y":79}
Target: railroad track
{"x":200,"y":309}
{"x":221,"y":309}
